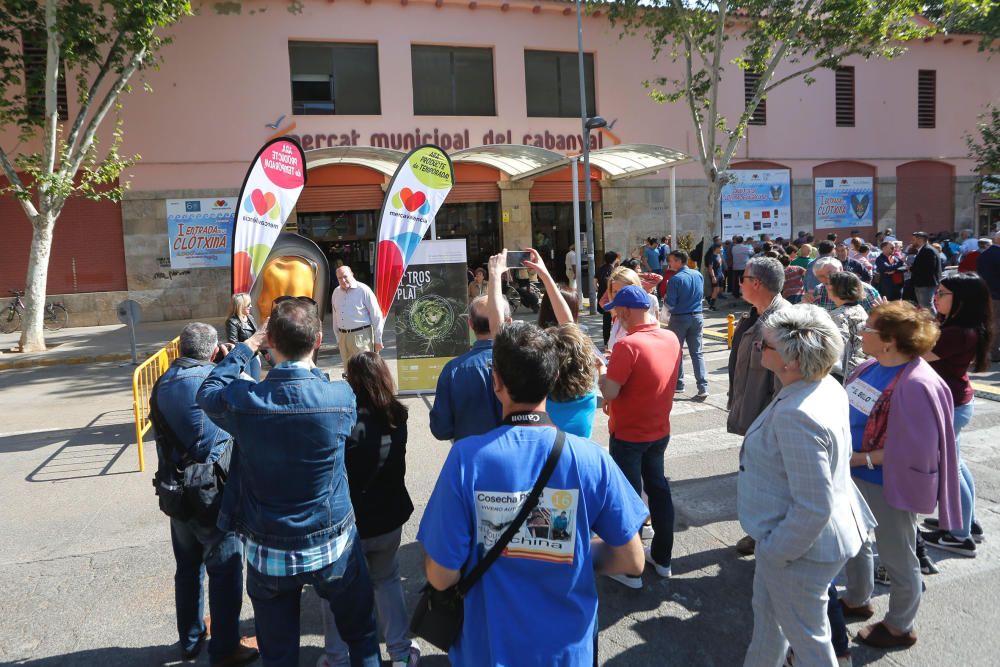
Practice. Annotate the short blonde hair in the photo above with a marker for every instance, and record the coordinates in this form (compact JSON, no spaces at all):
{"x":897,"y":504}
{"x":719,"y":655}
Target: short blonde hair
{"x":913,"y":329}
{"x":806,"y":334}
{"x":623,"y":274}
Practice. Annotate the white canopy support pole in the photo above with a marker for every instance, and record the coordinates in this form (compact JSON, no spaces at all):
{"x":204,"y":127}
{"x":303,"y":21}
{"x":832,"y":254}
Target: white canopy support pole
{"x":673,"y":208}
{"x":575,"y":165}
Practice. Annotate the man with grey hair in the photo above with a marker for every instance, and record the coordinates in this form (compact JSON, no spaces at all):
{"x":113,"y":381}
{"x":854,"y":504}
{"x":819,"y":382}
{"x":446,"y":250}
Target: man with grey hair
{"x":825,"y":267}
{"x":465,"y":403}
{"x":751,"y":386}
{"x":186,"y":435}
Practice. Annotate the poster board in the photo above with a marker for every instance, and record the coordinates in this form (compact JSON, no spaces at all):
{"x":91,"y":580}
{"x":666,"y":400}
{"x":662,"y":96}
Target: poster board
{"x":844,"y":202}
{"x":757,"y":202}
{"x":430,"y":305}
{"x":198,"y":232}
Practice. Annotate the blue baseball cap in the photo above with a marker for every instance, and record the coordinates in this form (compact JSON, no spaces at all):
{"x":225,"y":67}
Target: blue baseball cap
{"x":630,"y":296}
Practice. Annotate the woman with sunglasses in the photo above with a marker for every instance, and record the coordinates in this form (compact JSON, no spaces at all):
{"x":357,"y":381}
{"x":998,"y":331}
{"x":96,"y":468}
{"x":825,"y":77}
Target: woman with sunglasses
{"x":375,"y":456}
{"x":904,"y":463}
{"x":965,"y":312}
{"x":240,"y":326}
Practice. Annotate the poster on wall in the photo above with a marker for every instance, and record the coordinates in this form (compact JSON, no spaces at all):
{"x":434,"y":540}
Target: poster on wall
{"x":431,"y":302}
{"x":844,"y":202}
{"x":417,"y":189}
{"x":272,"y":185}
{"x":198,"y":232}
{"x":757,"y":202}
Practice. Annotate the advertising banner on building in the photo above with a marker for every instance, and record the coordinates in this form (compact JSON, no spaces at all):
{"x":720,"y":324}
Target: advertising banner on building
{"x":415,"y":193}
{"x":844,"y":202}
{"x":271,"y":188}
{"x":198,"y":231}
{"x":431,"y":302}
{"x":757,"y":202}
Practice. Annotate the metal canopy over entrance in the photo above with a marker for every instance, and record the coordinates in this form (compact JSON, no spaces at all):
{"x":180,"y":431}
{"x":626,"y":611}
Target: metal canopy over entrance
{"x":632,"y":160}
{"x":515,"y":160}
{"x":383,"y":160}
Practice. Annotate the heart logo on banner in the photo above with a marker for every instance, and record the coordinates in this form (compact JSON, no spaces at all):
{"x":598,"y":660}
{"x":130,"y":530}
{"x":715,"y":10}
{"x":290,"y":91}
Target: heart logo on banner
{"x":409,"y":199}
{"x":860,"y":205}
{"x":262,"y":201}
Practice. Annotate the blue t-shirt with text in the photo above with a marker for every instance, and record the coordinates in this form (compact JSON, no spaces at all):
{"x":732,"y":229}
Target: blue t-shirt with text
{"x":537,"y":604}
{"x":877,"y":377}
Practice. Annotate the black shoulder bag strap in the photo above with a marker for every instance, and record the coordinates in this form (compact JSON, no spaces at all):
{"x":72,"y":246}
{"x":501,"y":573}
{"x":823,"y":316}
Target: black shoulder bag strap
{"x":530,"y":502}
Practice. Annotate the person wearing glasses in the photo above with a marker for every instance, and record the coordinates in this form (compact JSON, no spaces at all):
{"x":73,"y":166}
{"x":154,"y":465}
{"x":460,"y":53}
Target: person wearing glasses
{"x":288,"y":495}
{"x":794,"y":492}
{"x":240,"y":326}
{"x":965,"y":312}
{"x":357,"y":318}
{"x":751,"y":385}
{"x":904,"y":463}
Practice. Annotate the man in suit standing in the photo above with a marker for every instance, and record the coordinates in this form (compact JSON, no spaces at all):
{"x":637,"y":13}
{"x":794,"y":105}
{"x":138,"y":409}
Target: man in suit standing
{"x":925,"y":272}
{"x":795,"y":496}
{"x":988,"y":268}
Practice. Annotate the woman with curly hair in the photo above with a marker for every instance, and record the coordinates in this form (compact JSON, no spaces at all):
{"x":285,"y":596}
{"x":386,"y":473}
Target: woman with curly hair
{"x":573,"y":402}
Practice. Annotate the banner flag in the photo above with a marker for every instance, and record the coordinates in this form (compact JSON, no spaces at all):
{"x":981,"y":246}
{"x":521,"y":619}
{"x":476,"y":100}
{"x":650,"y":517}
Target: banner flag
{"x":271,"y":188}
{"x":415,"y":193}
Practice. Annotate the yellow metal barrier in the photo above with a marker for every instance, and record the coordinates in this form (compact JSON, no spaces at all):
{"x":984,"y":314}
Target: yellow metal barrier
{"x":143,"y":379}
{"x":730,"y":328}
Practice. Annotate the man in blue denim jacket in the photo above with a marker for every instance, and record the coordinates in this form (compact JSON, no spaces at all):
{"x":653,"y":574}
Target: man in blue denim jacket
{"x":195,"y":544}
{"x":287,"y":495}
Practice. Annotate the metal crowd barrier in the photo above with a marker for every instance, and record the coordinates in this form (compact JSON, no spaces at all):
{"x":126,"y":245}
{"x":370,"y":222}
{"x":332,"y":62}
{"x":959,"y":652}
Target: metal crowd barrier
{"x":145,"y":376}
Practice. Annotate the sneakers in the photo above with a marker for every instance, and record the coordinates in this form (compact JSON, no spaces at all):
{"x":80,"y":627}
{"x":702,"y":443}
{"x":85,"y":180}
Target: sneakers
{"x":411,"y":659}
{"x":635,"y":583}
{"x":977,"y":529}
{"x":702,"y":394}
{"x":944,"y":540}
{"x":881,"y":575}
{"x":746,"y":545}
{"x":927,"y":566}
{"x":647,"y":532}
{"x":663,"y":571}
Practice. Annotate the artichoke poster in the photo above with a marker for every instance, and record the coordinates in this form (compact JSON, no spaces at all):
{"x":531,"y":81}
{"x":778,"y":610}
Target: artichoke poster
{"x":431,"y":302}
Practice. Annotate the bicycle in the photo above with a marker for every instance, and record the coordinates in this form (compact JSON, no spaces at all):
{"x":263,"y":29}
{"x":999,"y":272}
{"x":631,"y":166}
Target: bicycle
{"x":54,"y":318}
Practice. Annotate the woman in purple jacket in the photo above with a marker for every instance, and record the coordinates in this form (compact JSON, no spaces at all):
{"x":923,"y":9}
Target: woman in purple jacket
{"x":904,"y":463}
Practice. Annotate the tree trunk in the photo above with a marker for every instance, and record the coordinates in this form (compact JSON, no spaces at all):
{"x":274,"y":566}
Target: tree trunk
{"x":32,"y":337}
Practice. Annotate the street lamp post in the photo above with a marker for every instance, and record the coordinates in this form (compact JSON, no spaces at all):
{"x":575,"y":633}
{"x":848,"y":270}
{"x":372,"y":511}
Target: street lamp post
{"x":587,"y":124}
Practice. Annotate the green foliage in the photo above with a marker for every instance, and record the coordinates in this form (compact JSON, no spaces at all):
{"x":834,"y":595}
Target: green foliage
{"x":984,"y":149}
{"x":977,"y":17}
{"x":99,"y":45}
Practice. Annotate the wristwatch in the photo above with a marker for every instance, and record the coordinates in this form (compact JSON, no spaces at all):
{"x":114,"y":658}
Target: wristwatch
{"x":868,"y":461}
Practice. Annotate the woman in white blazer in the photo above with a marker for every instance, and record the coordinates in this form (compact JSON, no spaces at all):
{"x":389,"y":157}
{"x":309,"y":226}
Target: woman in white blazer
{"x":795,"y":493}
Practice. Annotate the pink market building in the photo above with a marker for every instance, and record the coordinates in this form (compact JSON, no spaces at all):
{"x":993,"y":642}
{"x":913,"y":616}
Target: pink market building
{"x":359,"y":82}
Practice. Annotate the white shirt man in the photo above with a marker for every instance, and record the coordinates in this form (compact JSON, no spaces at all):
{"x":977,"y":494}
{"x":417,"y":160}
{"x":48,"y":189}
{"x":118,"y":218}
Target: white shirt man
{"x":571,"y":267}
{"x":357,"y":318}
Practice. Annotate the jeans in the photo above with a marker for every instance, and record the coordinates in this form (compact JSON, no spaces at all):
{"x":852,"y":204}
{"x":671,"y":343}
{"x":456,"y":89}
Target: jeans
{"x":642,"y":465}
{"x":688,"y":329}
{"x":344,"y":584}
{"x":200,"y":549}
{"x":734,"y":282}
{"x":925,"y":298}
{"x":390,"y":603}
{"x":966,"y":485}
{"x":838,"y":625}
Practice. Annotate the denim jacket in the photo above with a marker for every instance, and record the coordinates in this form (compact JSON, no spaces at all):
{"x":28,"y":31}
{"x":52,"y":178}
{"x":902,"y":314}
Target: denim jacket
{"x":175,"y":397}
{"x":287,"y":487}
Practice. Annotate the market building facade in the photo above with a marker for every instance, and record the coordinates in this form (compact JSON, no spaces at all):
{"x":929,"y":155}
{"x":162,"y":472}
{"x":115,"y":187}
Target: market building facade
{"x":495,"y":83}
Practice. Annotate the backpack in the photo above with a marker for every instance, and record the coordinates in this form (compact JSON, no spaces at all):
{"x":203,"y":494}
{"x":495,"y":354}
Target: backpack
{"x":191,"y":491}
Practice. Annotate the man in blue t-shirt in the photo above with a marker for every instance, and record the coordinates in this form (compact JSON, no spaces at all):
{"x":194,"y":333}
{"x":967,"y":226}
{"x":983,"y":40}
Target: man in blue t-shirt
{"x":537,"y":604}
{"x":651,"y":256}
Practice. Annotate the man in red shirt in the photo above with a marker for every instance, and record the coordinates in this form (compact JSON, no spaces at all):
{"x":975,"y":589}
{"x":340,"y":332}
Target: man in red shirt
{"x":638,"y":384}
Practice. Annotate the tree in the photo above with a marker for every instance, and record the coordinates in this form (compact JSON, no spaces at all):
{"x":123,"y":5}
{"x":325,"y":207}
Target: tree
{"x":978,"y":17}
{"x":763,"y":37}
{"x":984,"y":149}
{"x":98,"y":45}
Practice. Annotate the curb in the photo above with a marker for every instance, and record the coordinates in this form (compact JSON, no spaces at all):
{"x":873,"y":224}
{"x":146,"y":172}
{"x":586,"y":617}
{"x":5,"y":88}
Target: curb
{"x":985,"y":391}
{"x":62,"y":361}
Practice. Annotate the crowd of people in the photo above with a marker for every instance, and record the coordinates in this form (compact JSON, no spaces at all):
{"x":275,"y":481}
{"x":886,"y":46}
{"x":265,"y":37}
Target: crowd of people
{"x":850,"y":403}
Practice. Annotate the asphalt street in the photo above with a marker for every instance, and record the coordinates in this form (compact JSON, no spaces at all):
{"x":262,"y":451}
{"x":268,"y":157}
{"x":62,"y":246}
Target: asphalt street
{"x":86,"y":566}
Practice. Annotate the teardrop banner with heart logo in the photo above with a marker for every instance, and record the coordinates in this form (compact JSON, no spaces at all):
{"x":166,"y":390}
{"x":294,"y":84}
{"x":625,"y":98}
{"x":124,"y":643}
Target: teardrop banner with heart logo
{"x":271,"y":187}
{"x":417,"y":189}
{"x":844,"y":202}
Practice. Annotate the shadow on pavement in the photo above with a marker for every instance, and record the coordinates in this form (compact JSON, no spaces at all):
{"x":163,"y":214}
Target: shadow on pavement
{"x":90,"y":451}
{"x":111,"y":656}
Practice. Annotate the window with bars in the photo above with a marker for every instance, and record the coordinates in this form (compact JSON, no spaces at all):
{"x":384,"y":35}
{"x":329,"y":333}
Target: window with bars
{"x":34,"y":51}
{"x":927,"y":98}
{"x":750,"y":82}
{"x":845,"y":96}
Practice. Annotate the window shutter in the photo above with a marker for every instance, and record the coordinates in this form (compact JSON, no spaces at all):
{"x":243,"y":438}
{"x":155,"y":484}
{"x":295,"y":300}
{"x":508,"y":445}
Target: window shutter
{"x":750,"y":81}
{"x":845,"y":96}
{"x":927,"y":98}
